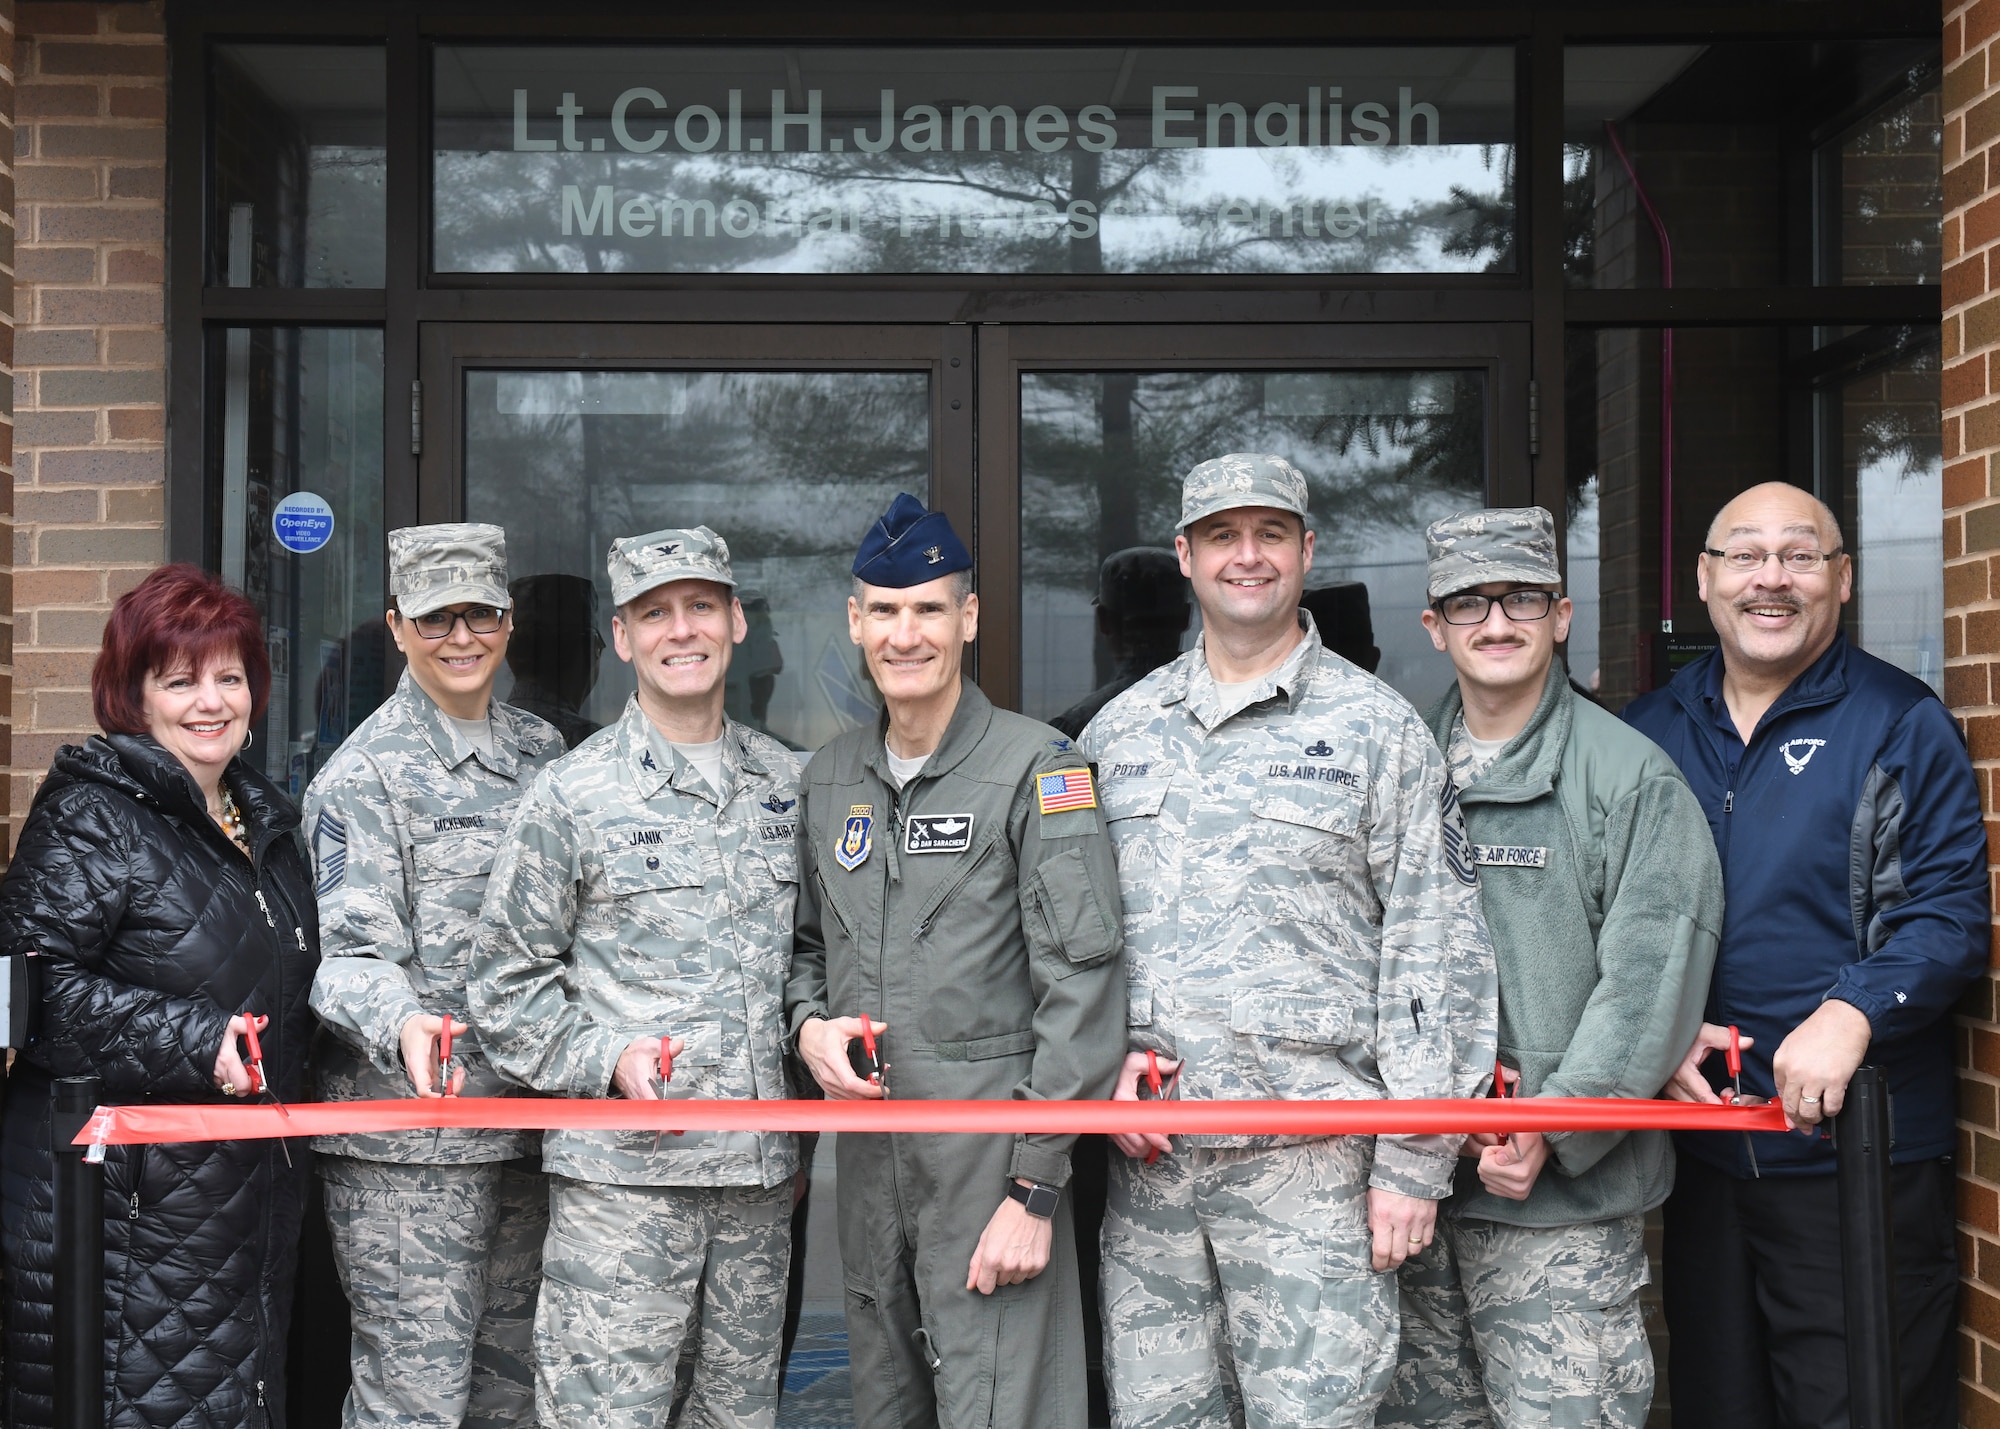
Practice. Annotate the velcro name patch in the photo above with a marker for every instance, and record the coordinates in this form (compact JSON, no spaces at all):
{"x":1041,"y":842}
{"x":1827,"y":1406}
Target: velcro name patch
{"x":937,"y":833}
{"x":1510,"y":856}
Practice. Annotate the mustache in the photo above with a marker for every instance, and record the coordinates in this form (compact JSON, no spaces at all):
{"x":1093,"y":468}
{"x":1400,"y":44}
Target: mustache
{"x":1790,"y":602}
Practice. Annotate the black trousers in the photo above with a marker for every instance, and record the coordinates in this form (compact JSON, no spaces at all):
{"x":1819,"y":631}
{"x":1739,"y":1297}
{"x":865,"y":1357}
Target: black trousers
{"x":1752,"y":1288}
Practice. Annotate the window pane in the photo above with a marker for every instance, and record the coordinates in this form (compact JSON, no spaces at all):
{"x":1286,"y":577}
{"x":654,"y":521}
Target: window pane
{"x":1892,"y":464}
{"x":790,"y":468}
{"x":295,"y":450}
{"x":1102,"y":457}
{"x":1849,"y":415}
{"x":299,"y":166}
{"x":1212,"y":160}
{"x":1716,"y":146}
{"x":1891,"y":185}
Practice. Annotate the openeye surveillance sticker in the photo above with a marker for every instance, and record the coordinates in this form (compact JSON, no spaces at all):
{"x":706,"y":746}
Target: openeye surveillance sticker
{"x":302,"y":522}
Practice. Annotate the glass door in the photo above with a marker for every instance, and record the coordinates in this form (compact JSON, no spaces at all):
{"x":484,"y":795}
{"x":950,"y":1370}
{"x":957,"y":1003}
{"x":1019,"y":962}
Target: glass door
{"x":1086,"y":433}
{"x":788,"y":442}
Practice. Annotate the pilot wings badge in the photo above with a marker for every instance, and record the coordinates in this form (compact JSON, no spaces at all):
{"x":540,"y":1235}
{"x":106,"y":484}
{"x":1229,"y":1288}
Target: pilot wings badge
{"x":857,"y":839}
{"x":938,"y":833}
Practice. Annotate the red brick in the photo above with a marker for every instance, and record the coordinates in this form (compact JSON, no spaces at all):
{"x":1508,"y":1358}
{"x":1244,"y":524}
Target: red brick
{"x":1982,"y":735}
{"x":1982,"y":122}
{"x":65,"y":57}
{"x":131,"y":101}
{"x":138,"y":19}
{"x":34,"y":19}
{"x":134,"y":265}
{"x":1954,"y":247}
{"x":66,"y":101}
{"x":33,"y":588}
{"x":1963,"y":282}
{"x":1954,"y":40}
{"x":1965,"y":481}
{"x":80,"y":222}
{"x":102,"y":141}
{"x":1954,"y":537}
{"x":1982,"y":222}
{"x":149,"y":182}
{"x":116,"y":583}
{"x":142,"y":425}
{"x":1964,"y":685}
{"x":1982,"y":22}
{"x":45,"y":668}
{"x":80,"y":306}
{"x":1977,"y":1410}
{"x":1982,"y":423}
{"x":1961,"y":384}
{"x":1986,"y":1052}
{"x":1964,"y":584}
{"x":1965,"y":83}
{"x":1979,"y":1206}
{"x":1964,"y":182}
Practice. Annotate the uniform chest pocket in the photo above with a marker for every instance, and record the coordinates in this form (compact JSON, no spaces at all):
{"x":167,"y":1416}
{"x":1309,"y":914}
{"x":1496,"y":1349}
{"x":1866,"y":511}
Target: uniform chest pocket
{"x":778,"y":841}
{"x":1131,"y":813}
{"x":1323,"y":1023}
{"x":458,"y":853}
{"x":655,"y":870}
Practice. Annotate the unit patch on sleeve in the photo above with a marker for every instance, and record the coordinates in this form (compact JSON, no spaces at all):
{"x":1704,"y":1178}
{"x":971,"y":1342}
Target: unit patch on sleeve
{"x":937,"y":833}
{"x":1065,"y":789}
{"x":1510,"y":856}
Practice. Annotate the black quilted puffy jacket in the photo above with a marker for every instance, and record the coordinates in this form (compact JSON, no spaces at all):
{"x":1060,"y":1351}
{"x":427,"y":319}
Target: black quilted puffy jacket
{"x":155,"y":929}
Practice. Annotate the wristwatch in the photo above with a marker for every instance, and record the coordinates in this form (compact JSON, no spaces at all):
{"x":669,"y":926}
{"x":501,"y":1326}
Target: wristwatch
{"x":1040,"y":1200}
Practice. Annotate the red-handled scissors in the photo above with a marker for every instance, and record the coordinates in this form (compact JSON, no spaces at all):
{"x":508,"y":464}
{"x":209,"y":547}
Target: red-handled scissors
{"x":868,"y":1046}
{"x":1502,"y":1090}
{"x":1733,"y":1055}
{"x":250,"y":1025}
{"x":1159,"y":1087}
{"x":444,"y":1057}
{"x":663,"y":1072}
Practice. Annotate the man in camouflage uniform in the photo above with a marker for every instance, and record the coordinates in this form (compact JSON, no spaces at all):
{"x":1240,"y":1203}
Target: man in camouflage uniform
{"x":437,"y":1235}
{"x":1301,"y":921}
{"x":643,"y":895}
{"x":957,"y":888}
{"x":1603,"y":892}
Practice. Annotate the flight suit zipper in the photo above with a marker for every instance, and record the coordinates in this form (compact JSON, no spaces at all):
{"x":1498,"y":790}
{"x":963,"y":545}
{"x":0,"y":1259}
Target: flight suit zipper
{"x":951,"y":889}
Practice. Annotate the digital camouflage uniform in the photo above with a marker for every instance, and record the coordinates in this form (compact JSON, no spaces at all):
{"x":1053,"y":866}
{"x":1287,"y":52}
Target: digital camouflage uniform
{"x":1301,"y":921}
{"x":631,"y":900}
{"x":436,"y":1235}
{"x":983,"y":931}
{"x":1604,"y":899}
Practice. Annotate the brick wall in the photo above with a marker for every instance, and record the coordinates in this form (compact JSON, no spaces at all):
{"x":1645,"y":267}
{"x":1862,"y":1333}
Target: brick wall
{"x":89,"y":375}
{"x":1971,"y":392}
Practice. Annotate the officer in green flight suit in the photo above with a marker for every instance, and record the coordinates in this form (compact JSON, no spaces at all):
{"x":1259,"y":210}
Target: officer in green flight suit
{"x":957,"y":887}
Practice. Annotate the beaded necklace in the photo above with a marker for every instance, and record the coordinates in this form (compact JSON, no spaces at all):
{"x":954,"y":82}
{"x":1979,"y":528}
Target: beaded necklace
{"x":232,"y":821}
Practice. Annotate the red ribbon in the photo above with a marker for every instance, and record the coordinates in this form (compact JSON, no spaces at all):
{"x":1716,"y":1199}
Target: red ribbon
{"x":149,"y":1124}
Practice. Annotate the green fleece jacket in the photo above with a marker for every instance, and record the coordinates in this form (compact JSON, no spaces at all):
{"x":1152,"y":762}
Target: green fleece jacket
{"x":1602,"y":889}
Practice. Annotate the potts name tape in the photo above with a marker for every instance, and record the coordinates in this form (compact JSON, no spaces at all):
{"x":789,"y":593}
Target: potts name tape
{"x":153,"y":1123}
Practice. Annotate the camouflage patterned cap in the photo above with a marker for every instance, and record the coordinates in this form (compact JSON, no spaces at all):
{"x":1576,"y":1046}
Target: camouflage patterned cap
{"x":1242,"y":479}
{"x":1494,"y":543}
{"x":460,"y":562}
{"x":639,"y":563}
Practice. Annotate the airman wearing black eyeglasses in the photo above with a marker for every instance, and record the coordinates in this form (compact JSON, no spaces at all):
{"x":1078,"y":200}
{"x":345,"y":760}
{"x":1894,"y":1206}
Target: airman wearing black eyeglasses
{"x":1603,"y":893}
{"x":404,"y":822}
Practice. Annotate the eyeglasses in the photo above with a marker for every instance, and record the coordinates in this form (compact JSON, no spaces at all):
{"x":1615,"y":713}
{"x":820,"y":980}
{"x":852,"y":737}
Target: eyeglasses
{"x":1800,"y":560}
{"x":1469,"y":609}
{"x":436,"y":624}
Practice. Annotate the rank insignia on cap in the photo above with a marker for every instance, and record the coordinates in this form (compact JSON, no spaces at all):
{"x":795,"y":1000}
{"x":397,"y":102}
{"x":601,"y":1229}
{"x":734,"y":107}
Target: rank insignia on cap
{"x":1065,"y":789}
{"x":934,"y":555}
{"x":857,"y":838}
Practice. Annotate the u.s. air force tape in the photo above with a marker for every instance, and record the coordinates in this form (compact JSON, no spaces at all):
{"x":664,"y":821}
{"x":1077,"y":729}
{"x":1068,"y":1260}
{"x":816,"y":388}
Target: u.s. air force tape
{"x":1510,"y":856}
{"x":151,"y":1124}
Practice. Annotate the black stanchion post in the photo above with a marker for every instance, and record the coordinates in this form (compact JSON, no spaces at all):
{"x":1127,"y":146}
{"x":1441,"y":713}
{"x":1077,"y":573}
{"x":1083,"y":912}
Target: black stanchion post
{"x":1867,"y":1252}
{"x":79,"y":1217}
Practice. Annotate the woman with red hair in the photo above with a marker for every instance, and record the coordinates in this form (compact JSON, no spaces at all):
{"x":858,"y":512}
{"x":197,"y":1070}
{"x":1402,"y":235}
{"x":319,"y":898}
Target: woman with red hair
{"x":160,"y":887}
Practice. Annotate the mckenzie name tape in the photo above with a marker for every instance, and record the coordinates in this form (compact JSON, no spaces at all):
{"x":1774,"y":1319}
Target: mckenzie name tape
{"x":153,"y":1124}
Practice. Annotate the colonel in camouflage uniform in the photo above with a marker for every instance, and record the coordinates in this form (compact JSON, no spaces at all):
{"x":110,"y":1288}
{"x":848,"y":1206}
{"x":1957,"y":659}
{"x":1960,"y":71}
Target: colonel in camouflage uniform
{"x":1604,"y":895}
{"x":958,"y":890}
{"x":1300,"y":921}
{"x":437,"y":1235}
{"x":645,"y":893}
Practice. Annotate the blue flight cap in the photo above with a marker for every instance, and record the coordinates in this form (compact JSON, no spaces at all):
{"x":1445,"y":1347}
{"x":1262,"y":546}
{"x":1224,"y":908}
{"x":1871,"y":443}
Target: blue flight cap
{"x":908,"y":546}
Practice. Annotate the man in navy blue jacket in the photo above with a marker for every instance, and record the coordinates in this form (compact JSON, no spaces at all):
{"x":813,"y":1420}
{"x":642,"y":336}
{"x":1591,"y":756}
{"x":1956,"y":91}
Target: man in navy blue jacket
{"x":1854,"y":864}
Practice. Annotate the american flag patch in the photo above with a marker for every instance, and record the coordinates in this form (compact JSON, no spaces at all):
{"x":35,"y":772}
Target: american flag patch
{"x":1066,"y":789}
